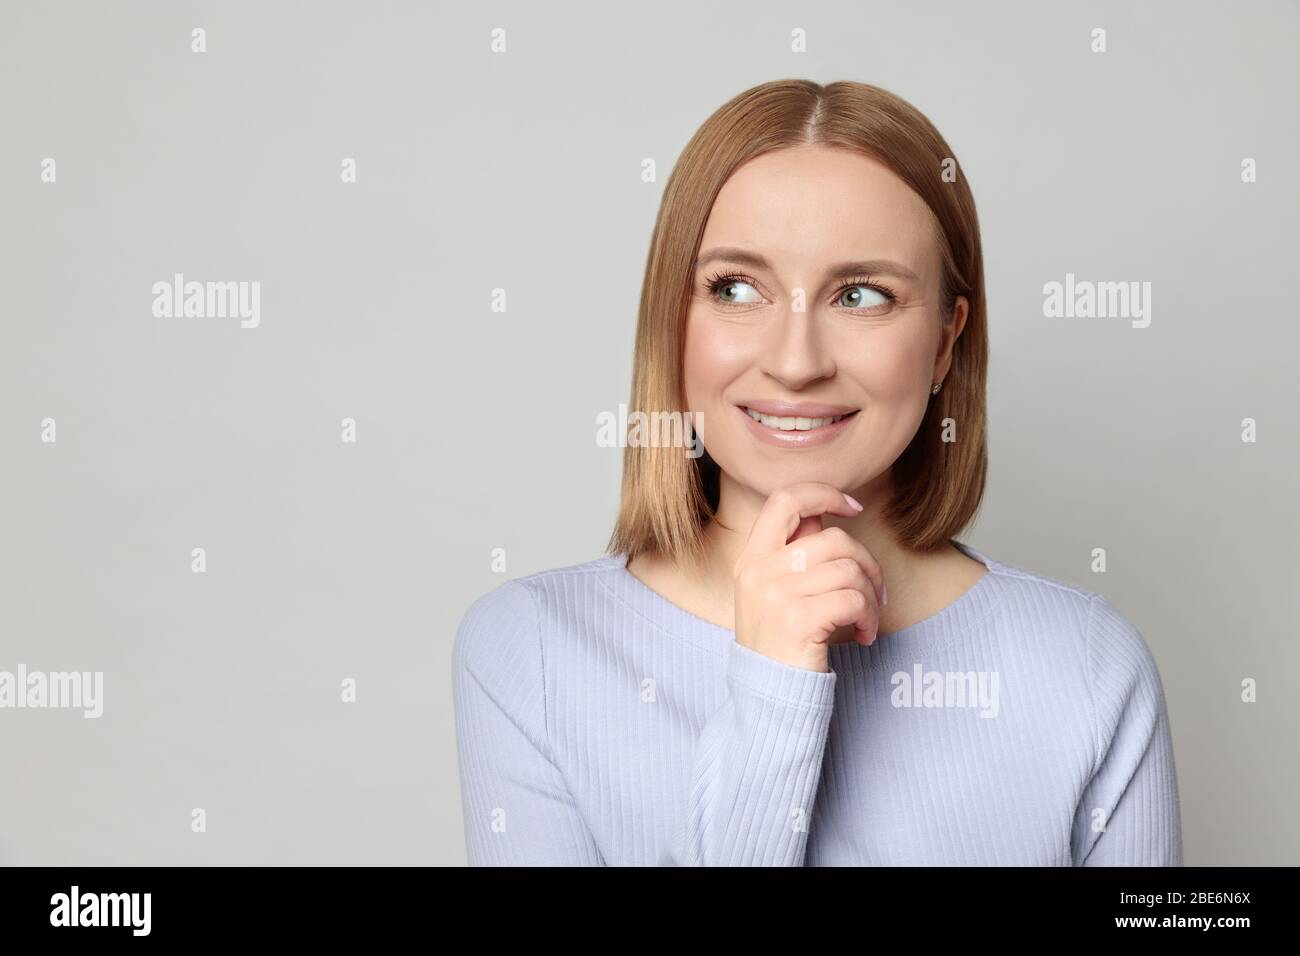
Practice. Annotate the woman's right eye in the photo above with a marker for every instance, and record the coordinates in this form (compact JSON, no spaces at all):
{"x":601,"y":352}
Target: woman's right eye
{"x":733,"y":291}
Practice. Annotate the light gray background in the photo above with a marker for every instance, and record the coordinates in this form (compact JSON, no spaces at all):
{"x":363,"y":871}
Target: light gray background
{"x":476,"y":429}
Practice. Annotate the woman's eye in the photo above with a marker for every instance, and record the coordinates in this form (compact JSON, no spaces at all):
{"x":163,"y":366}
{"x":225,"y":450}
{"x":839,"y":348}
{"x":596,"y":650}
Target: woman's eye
{"x":862,"y":297}
{"x":732,"y":291}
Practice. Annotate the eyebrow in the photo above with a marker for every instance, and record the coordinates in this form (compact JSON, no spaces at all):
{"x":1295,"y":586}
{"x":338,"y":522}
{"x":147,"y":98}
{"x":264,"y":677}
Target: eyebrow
{"x":755,"y":261}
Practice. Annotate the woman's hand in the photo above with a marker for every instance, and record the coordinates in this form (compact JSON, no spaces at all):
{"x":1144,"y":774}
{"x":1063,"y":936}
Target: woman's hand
{"x":797,"y":583}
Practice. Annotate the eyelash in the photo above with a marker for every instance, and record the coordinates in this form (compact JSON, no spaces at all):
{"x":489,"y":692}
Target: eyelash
{"x":716,"y":281}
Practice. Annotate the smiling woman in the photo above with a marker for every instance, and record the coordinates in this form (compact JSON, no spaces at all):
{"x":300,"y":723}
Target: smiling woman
{"x":715,"y":689}
{"x":865,"y":337}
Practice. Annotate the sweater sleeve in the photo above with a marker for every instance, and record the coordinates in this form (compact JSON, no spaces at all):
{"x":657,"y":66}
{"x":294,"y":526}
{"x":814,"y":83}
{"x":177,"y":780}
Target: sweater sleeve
{"x":1129,"y":812}
{"x":518,"y":810}
{"x":756,"y":767}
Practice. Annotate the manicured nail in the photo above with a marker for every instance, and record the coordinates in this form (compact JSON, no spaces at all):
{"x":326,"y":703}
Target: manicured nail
{"x":853,"y":503}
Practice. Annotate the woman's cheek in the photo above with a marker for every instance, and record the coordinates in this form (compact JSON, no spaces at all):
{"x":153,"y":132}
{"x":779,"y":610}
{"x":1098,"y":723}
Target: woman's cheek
{"x":713,"y":360}
{"x":893,"y":376}
{"x":895,"y":369}
{"x":695,"y":367}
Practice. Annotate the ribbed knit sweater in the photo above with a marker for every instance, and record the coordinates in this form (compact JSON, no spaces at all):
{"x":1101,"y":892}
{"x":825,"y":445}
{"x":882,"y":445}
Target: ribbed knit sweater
{"x":598,"y":723}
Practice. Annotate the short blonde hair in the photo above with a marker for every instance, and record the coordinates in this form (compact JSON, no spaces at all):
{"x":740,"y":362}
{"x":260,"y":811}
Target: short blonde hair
{"x":669,"y":497}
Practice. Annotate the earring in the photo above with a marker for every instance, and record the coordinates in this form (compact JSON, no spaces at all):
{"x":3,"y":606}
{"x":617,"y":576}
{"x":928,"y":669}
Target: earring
{"x":934,"y":389}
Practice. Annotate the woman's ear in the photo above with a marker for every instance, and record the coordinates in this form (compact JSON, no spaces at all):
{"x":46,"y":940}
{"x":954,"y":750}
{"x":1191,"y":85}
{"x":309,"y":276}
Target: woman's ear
{"x":949,"y":330}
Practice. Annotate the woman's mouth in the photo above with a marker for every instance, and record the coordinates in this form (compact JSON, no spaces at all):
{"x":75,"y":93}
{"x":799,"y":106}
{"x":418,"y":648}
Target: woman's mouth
{"x":817,"y":427}
{"x":793,"y":423}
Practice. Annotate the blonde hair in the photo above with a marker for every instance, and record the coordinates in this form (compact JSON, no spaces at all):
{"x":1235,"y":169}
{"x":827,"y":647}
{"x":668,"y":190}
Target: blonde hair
{"x":667,"y":497}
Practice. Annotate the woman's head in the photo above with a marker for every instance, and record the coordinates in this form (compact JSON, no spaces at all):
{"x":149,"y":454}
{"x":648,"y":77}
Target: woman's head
{"x":816,"y":246}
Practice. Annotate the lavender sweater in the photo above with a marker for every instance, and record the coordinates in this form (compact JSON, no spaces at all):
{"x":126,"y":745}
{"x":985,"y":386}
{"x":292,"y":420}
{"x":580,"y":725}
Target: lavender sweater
{"x":598,"y":723}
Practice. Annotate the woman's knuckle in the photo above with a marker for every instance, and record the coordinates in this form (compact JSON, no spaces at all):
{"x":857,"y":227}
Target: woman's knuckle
{"x":782,"y":499}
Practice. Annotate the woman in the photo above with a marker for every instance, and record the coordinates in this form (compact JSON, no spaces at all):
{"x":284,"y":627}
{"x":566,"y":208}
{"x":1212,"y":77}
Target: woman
{"x":786,"y":658}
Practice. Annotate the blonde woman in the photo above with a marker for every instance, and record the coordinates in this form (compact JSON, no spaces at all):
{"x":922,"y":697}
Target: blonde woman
{"x":786,"y":657}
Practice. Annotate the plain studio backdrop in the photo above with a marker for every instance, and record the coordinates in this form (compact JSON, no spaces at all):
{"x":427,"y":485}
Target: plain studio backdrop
{"x":329,"y":561}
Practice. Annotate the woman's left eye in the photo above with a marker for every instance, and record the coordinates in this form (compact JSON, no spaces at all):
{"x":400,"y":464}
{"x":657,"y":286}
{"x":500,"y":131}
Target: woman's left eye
{"x":862,"y":297}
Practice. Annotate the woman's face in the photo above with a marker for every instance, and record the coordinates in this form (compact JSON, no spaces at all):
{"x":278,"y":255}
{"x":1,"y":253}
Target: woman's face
{"x":816,"y":295}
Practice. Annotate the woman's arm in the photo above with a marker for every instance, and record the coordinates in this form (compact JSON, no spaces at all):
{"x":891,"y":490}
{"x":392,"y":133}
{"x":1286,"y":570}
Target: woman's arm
{"x":518,"y":810}
{"x":757,"y":762}
{"x":756,"y":768}
{"x":1129,"y":813}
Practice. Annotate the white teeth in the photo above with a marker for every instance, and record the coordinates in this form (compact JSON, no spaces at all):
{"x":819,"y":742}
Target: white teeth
{"x":791,"y":424}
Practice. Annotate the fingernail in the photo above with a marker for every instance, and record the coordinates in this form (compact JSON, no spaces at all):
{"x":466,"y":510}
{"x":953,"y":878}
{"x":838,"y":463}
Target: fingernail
{"x":884,"y":593}
{"x":853,"y":503}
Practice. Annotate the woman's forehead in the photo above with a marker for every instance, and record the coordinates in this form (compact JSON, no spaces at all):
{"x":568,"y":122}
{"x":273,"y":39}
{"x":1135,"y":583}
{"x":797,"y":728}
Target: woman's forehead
{"x":808,"y":205}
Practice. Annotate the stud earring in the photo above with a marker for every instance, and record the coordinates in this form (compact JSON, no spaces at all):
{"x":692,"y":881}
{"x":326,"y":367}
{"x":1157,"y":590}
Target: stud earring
{"x":934,"y":389}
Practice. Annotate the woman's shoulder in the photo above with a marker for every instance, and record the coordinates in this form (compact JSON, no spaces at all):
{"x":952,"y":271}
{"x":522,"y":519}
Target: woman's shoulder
{"x":508,"y":618}
{"x":512,"y":595}
{"x":1079,"y":619}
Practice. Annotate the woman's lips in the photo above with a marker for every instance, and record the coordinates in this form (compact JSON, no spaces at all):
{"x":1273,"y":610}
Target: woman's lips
{"x":804,"y":431}
{"x":795,"y":409}
{"x":788,"y":423}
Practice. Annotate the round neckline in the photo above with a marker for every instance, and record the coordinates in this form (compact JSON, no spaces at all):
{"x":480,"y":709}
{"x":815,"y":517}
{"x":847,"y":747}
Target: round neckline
{"x":967,"y":608}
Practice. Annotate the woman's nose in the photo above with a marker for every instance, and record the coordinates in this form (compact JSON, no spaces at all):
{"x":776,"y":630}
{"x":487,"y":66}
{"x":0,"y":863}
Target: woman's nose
{"x":795,"y":353}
